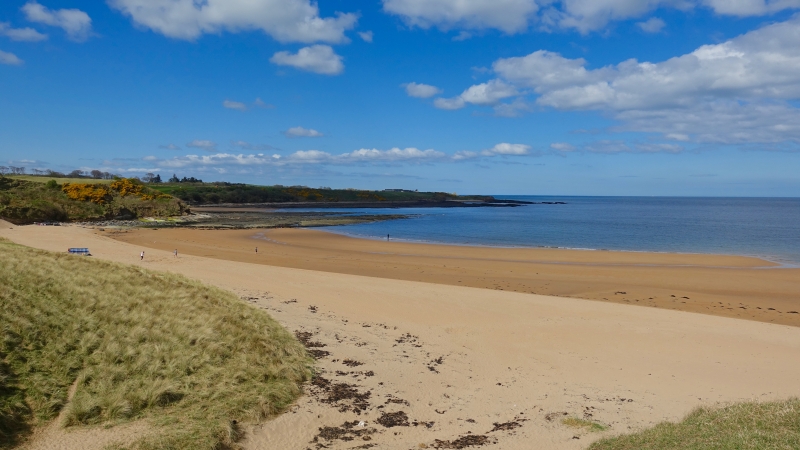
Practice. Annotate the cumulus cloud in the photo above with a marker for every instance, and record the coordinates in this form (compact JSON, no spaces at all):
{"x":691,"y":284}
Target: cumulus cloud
{"x":284,"y":20}
{"x":489,"y":93}
{"x":651,"y":25}
{"x":421,"y":90}
{"x":363,"y":156}
{"x":21,"y":34}
{"x":302,"y":132}
{"x":230,"y":104}
{"x":169,"y":147}
{"x":316,"y":58}
{"x":737,"y":91}
{"x":505,"y":148}
{"x":9,"y":59}
{"x":562,"y":147}
{"x":366,"y":36}
{"x":509,"y":16}
{"x":209,"y":146}
{"x":513,"y":16}
{"x":76,"y":23}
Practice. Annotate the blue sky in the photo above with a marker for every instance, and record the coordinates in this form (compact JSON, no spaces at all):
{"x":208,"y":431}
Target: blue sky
{"x":574,"y":97}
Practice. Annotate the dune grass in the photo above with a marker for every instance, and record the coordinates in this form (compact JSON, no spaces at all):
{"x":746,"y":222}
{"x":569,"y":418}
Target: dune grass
{"x":575,"y":422}
{"x":741,"y":426}
{"x":192,"y":360}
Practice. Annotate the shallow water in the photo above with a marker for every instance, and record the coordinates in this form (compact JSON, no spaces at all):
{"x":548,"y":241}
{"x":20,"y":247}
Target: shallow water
{"x":764,"y":227}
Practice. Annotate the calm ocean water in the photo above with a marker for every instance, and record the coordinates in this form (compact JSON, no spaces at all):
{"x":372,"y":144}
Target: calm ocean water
{"x":765,"y":227}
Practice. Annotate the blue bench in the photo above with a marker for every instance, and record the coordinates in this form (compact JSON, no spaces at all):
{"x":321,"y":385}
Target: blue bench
{"x":79,"y":251}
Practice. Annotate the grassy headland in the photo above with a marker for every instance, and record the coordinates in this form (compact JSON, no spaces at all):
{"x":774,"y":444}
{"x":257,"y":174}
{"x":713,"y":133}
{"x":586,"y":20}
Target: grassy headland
{"x":234,"y":193}
{"x":741,"y":426}
{"x":23,"y":201}
{"x":192,"y":360}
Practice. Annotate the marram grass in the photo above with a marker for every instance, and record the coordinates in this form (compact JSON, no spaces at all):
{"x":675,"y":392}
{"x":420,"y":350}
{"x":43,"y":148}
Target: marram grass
{"x":191,"y":359}
{"x":740,"y":426}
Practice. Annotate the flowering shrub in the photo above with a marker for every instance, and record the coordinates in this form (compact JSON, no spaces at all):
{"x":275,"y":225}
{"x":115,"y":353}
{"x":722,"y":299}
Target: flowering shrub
{"x":102,"y":194}
{"x":96,"y":193}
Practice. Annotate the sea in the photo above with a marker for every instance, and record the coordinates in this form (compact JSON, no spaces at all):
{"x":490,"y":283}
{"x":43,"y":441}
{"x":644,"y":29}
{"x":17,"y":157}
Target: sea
{"x":768,"y":228}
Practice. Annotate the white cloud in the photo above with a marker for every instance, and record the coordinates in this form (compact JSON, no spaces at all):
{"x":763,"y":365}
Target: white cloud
{"x":366,"y":36}
{"x":652,"y":25}
{"x":302,"y":132}
{"x":203,"y":144}
{"x":462,"y":36}
{"x":507,"y":149}
{"x":76,"y":23}
{"x":420,"y":90}
{"x":260,"y":104}
{"x":248,"y":146}
{"x":483,"y":94}
{"x":10,"y":59}
{"x":449,"y":103}
{"x":169,"y":147}
{"x":509,"y":16}
{"x":744,"y":8}
{"x":585,"y":16}
{"x":284,"y":20}
{"x":21,"y":34}
{"x":562,"y":147}
{"x":737,"y":91}
{"x":230,"y":104}
{"x":393,"y":154}
{"x":316,"y":58}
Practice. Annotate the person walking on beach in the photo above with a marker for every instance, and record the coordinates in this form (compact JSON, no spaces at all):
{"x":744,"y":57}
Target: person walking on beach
{"x":387,"y":236}
{"x":256,"y":249}
{"x":176,"y":252}
{"x":141,"y":257}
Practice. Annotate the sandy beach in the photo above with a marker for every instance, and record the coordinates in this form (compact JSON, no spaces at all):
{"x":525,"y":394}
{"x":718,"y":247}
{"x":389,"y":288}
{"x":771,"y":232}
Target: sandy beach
{"x":729,"y":286}
{"x":488,"y":342}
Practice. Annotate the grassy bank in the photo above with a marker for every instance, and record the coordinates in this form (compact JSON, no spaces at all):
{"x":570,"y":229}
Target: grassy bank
{"x":742,"y":426}
{"x":23,"y":201}
{"x":191,"y":359}
{"x":233,"y":193}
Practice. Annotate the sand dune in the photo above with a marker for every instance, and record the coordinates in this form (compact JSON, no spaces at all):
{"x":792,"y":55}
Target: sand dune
{"x":462,"y":359}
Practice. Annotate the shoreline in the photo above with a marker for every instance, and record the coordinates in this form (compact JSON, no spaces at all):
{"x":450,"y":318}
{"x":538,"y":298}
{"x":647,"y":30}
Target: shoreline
{"x":721,"y":285}
{"x":773,"y":260}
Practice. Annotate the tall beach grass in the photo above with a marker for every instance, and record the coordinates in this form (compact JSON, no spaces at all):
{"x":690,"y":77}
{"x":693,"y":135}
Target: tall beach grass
{"x":740,"y":426}
{"x":192,"y":360}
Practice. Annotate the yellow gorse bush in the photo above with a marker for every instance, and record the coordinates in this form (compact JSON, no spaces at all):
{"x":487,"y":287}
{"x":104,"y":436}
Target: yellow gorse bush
{"x":101,"y":194}
{"x":96,"y":193}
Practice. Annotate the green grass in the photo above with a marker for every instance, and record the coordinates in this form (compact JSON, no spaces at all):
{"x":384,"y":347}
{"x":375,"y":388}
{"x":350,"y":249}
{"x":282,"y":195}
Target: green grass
{"x":189,"y":358}
{"x":575,"y":422}
{"x":59,"y":180}
{"x":741,"y":426}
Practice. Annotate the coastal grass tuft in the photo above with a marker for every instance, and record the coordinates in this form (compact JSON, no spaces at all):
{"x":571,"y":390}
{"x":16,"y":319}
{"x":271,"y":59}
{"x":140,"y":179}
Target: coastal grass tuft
{"x":575,"y":422}
{"x":740,"y":426}
{"x":192,"y":360}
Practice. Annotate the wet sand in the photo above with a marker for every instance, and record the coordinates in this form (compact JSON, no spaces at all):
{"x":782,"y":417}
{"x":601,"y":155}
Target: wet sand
{"x":728,"y":286}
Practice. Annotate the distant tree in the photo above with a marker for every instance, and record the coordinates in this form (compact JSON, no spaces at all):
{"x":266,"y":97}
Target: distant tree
{"x":53,"y":173}
{"x":75,"y":174}
{"x":190,"y":180}
{"x":4,"y":170}
{"x":107,"y":176}
{"x":174,"y":179}
{"x":147,"y":177}
{"x":156,"y":179}
{"x":96,"y":174}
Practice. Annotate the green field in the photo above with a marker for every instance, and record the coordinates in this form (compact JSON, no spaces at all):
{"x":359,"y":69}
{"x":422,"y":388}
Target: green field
{"x":192,"y":361}
{"x":741,"y":426}
{"x":45,"y":179}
